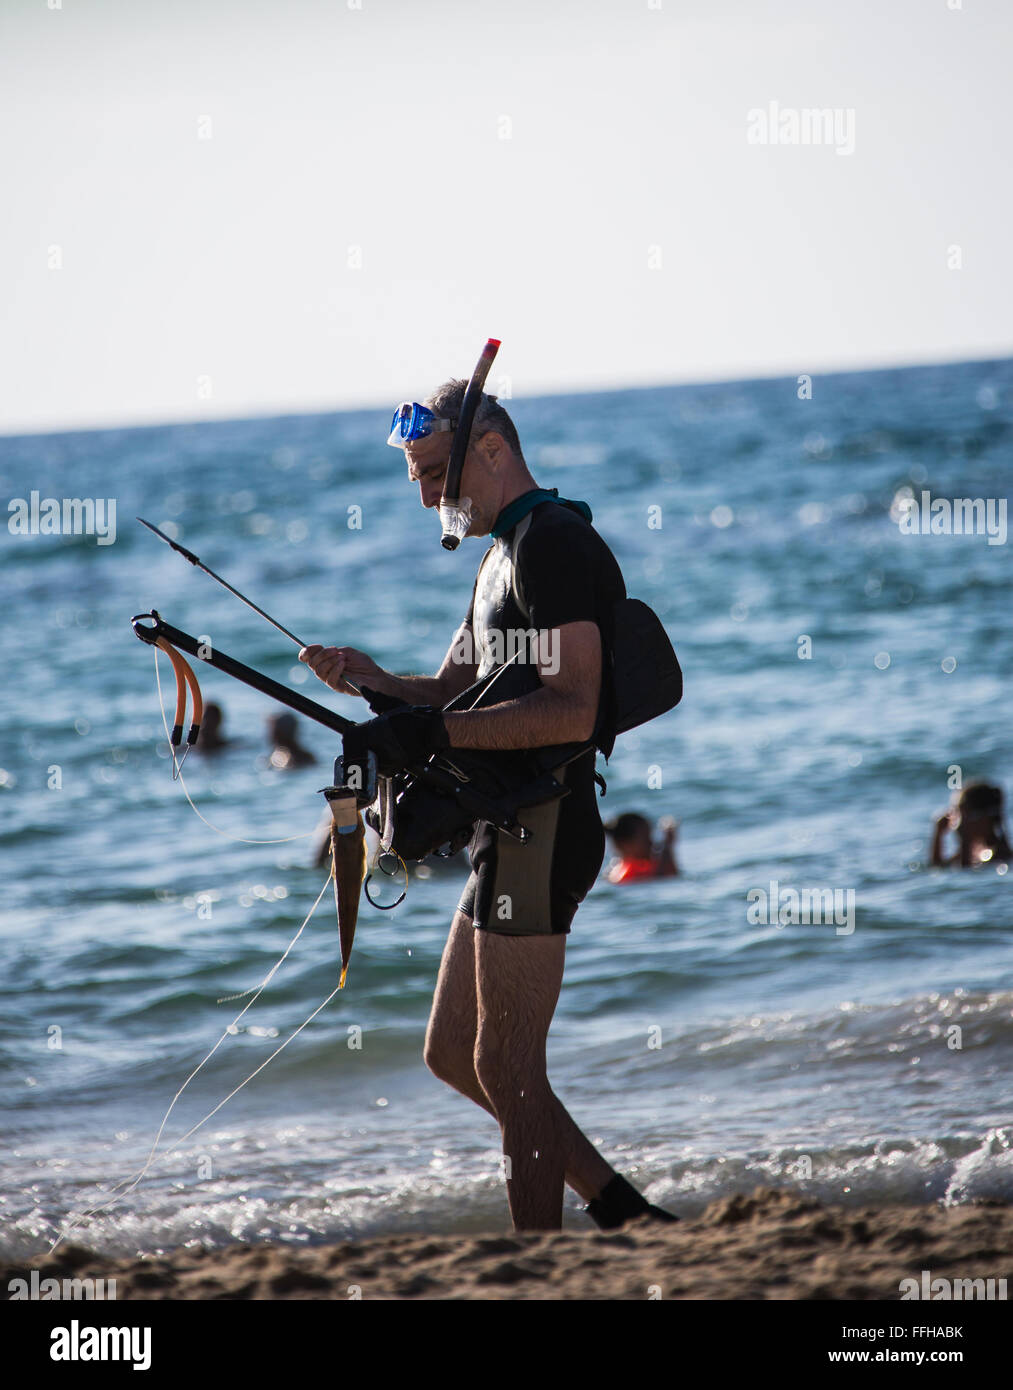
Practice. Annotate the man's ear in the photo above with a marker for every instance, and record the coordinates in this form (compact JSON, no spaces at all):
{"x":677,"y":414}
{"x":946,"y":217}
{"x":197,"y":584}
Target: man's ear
{"x":492,"y":447}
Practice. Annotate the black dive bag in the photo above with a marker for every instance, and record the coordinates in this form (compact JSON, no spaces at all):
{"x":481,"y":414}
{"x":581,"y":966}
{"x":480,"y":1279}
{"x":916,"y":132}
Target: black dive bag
{"x":433,"y":808}
{"x":641,"y":677}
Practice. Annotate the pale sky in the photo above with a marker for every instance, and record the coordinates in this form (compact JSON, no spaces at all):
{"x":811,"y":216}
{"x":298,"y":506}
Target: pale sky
{"x":625,"y":233}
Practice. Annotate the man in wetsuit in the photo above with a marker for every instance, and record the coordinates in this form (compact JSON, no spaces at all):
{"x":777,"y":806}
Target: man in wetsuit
{"x":502,"y":968}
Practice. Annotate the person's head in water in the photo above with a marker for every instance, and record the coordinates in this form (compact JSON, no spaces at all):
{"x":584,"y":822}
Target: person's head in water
{"x":979,"y":816}
{"x":494,"y":470}
{"x":286,"y":750}
{"x":631,"y":835}
{"x":976,"y":815}
{"x":211,"y":736}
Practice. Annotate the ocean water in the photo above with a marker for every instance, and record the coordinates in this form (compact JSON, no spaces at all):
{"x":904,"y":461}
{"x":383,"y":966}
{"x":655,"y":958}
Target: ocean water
{"x":704,"y":1052}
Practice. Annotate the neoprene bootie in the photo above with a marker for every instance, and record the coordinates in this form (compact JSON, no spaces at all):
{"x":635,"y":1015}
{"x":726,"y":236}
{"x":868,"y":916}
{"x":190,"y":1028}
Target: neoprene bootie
{"x":619,"y":1202}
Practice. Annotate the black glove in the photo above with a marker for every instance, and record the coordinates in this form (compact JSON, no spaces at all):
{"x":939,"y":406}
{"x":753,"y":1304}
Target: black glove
{"x":404,"y":737}
{"x":378,"y":703}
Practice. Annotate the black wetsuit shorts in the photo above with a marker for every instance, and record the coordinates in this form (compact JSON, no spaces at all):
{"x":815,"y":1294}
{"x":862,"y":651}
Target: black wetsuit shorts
{"x":534,"y":889}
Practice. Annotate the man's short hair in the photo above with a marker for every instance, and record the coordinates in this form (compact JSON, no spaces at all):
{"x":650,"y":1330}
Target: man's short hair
{"x":446,"y":402}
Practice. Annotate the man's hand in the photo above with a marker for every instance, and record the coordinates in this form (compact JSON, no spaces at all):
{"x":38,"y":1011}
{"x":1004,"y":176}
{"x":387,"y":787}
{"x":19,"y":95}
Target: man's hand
{"x":943,"y":823}
{"x":404,"y":737}
{"x":666,"y":865}
{"x":333,"y":664}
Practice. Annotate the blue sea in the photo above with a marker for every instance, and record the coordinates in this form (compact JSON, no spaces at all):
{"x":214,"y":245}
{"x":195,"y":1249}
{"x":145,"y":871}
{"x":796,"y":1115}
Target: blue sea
{"x":704,"y":1052}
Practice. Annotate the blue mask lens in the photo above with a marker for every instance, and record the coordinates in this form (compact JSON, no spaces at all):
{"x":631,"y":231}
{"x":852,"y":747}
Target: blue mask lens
{"x":414,"y":421}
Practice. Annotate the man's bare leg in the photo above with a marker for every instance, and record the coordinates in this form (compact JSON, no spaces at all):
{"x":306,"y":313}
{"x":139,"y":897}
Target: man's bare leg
{"x":518,"y":979}
{"x":450,"y":1049}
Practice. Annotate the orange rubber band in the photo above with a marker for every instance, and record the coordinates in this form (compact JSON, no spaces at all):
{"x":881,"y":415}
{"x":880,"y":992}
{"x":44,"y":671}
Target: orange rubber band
{"x":181,"y":683}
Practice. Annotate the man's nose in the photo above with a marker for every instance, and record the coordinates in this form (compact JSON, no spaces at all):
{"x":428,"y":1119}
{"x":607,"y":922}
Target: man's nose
{"x":430,"y":493}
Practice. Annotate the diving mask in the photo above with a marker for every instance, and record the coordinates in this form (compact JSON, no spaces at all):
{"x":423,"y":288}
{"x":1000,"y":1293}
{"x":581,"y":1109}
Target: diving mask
{"x":414,"y":421}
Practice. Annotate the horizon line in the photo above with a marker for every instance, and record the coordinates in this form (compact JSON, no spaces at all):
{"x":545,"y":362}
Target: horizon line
{"x":310,"y":411}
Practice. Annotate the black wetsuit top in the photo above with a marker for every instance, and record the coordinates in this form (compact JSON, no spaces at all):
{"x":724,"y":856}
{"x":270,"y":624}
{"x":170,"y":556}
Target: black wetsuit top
{"x":564,"y":573}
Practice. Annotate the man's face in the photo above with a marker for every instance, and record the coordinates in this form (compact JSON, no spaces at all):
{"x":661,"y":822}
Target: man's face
{"x":427,"y":465}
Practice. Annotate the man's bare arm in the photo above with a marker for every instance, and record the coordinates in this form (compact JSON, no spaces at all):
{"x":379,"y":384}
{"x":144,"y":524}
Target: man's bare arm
{"x":337,"y":665}
{"x":563,"y":710}
{"x":456,"y":673}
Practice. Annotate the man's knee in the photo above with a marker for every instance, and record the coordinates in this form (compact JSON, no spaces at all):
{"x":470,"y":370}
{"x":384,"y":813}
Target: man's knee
{"x":435,"y":1058}
{"x":447,"y":1062}
{"x":450,"y":1034}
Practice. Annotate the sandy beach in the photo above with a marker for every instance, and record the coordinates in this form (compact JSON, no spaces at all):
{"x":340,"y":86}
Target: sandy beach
{"x":769,"y":1245}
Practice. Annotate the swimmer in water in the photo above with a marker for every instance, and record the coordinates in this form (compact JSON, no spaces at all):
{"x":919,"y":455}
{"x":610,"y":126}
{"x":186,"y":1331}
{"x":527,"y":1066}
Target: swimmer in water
{"x":286,"y":750}
{"x":211,"y":739}
{"x":976,"y":816}
{"x":638,"y":858}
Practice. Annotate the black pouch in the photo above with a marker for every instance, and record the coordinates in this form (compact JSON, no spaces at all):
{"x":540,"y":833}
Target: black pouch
{"x":435,"y":807}
{"x":645,"y":674}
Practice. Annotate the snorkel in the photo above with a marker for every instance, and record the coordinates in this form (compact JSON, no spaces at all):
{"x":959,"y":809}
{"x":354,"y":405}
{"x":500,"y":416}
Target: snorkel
{"x":455,"y":510}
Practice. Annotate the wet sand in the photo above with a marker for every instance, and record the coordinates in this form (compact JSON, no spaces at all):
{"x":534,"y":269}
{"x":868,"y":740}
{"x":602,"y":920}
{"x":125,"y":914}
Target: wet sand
{"x":770,"y":1245}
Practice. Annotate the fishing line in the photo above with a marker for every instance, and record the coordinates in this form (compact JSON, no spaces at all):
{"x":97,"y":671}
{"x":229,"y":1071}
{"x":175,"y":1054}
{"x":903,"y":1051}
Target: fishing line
{"x":178,"y":776}
{"x":229,"y":998}
{"x":127,"y":1184}
{"x":259,"y":1069}
{"x":230,"y":1030}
